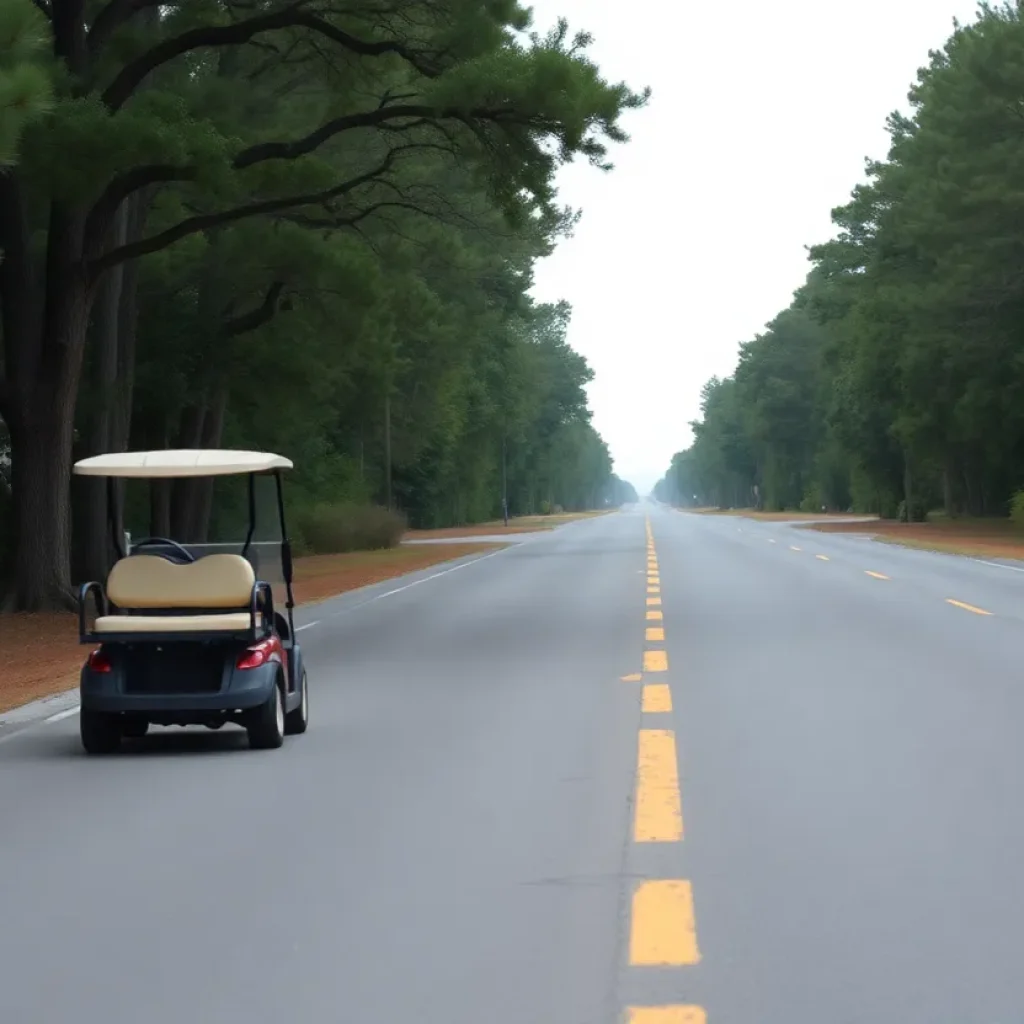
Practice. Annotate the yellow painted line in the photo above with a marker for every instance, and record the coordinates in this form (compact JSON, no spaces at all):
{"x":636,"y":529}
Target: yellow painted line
{"x":824,"y":558}
{"x":655,"y":661}
{"x":654,"y":590}
{"x":653,"y":601}
{"x":967,"y":607}
{"x":877,"y":575}
{"x":654,"y":581}
{"x":793,"y":547}
{"x":667,"y":1015}
{"x":659,"y":812}
{"x":655,"y":616}
{"x":656,"y":698}
{"x":633,"y":677}
{"x":663,"y":931}
{"x":655,"y":633}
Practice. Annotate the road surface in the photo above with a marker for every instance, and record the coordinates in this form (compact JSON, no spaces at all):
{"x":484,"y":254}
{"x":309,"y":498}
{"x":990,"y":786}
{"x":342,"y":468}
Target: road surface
{"x":795,"y":796}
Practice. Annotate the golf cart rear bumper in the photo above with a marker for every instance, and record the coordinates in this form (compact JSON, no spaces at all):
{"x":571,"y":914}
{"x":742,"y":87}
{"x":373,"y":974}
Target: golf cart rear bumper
{"x":245,"y":689}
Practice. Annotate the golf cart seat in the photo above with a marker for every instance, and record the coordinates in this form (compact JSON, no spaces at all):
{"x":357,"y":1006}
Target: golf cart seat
{"x":214,"y":594}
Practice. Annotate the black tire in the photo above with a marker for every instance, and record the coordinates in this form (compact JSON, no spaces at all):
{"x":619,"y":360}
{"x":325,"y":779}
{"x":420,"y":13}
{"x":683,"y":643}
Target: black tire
{"x":266,"y":723}
{"x":134,"y":728}
{"x":295,"y":722}
{"x":100,"y":732}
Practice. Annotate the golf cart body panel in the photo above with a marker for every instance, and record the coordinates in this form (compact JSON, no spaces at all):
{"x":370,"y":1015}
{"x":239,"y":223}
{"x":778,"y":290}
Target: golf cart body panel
{"x":186,"y":637}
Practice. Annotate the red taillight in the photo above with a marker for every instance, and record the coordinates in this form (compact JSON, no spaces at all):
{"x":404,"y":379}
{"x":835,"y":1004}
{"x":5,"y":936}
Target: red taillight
{"x":259,"y":654}
{"x":99,"y":662}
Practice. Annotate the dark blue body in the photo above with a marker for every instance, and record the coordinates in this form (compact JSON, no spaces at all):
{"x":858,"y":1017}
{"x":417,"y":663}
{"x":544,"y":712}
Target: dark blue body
{"x":239,"y":690}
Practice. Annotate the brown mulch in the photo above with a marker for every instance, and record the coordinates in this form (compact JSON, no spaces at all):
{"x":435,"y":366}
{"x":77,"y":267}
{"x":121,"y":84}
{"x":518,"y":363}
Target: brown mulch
{"x":40,"y":654}
{"x":982,"y":538}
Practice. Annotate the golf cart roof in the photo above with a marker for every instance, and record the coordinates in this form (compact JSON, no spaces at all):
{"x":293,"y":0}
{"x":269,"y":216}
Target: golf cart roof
{"x":181,"y":463}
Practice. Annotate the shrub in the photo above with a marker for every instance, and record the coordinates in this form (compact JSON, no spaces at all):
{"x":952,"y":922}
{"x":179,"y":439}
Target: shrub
{"x":332,"y":529}
{"x":918,"y":513}
{"x":1017,"y":509}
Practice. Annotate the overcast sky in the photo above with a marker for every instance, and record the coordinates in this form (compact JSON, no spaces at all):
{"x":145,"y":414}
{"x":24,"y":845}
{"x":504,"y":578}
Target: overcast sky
{"x":760,"y":120}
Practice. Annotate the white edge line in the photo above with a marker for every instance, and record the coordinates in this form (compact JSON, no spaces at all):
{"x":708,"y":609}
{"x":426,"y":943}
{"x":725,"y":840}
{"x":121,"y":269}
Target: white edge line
{"x":61,"y":715}
{"x":308,"y":625}
{"x":998,"y":565}
{"x":425,"y":579}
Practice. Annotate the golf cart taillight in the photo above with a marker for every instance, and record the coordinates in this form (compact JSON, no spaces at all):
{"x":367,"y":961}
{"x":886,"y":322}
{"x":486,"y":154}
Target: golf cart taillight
{"x":99,"y":662}
{"x":257,"y":655}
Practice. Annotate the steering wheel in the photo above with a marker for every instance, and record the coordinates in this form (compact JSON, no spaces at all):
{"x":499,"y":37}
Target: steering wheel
{"x":154,"y":541}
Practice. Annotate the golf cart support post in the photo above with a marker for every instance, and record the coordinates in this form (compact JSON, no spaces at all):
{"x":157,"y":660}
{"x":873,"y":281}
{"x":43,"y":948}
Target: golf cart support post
{"x":161,"y":614}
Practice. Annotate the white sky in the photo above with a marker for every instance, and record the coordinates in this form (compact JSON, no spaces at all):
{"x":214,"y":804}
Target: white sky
{"x":760,"y":120}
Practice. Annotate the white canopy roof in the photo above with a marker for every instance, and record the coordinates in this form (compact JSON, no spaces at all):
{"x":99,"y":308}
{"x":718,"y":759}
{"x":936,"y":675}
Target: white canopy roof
{"x":182,"y":462}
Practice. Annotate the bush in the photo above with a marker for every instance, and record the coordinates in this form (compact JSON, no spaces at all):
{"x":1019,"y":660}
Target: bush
{"x":918,"y":513}
{"x":333,"y":529}
{"x":1017,"y":509}
{"x":328,"y":528}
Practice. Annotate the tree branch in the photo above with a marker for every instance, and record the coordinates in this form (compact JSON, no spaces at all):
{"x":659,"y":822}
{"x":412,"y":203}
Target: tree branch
{"x":263,"y":207}
{"x":377,"y":118}
{"x":255,"y":318}
{"x":133,"y":74}
{"x":121,"y":188}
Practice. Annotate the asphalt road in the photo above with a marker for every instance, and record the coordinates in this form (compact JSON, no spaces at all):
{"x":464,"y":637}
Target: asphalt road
{"x":802,"y":804}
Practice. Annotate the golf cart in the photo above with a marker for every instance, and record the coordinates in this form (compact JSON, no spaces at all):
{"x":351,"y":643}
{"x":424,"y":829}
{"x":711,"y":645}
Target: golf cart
{"x":186,"y":638}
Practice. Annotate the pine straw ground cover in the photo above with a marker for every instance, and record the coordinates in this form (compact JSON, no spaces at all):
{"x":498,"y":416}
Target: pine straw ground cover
{"x":40,"y":654}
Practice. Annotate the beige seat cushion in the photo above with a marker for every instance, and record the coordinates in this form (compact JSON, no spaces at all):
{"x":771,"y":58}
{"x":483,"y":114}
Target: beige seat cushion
{"x":232,"y":623}
{"x":142,"y":582}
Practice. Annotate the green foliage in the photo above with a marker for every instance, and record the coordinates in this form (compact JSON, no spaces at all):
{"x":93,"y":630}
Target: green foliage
{"x":334,"y":529}
{"x":25,"y":82}
{"x":1017,"y":509}
{"x":895,"y":380}
{"x":309,"y":231}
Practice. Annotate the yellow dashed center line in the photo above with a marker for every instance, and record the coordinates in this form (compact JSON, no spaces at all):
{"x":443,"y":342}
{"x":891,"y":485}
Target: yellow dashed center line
{"x":655,"y":633}
{"x":659,"y":811}
{"x":667,"y":1015}
{"x":653,"y":601}
{"x":654,"y":590}
{"x":877,"y":575}
{"x":656,"y":699}
{"x":967,"y":607}
{"x":653,"y":616}
{"x":663,"y":932}
{"x":655,"y":661}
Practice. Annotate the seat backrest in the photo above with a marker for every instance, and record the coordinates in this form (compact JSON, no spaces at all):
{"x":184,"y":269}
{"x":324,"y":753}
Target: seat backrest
{"x":148,"y":581}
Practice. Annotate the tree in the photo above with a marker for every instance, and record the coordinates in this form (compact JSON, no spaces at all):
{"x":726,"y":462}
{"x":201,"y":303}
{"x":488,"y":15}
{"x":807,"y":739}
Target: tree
{"x":172,"y":122}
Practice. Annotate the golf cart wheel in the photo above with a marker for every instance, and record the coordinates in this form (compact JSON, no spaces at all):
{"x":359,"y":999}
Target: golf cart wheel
{"x":134,"y":728}
{"x":267,"y":722}
{"x":295,"y":722}
{"x":100,"y":732}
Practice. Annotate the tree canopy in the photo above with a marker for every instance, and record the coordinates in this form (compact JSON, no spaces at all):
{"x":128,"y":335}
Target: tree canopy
{"x":294,"y":226}
{"x":894,"y":381}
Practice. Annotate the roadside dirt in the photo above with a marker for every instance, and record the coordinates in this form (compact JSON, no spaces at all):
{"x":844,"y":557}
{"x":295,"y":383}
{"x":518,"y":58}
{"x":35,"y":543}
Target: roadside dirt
{"x":981,"y":538}
{"x":40,"y":654}
{"x":519,"y":524}
{"x":783,"y":517}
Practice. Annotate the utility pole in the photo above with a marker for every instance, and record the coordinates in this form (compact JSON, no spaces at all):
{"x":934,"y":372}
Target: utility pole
{"x":504,"y":476}
{"x":387,"y":444}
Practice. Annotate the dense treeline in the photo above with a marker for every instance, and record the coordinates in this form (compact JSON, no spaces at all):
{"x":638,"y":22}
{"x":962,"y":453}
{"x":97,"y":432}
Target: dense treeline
{"x":292,"y":226}
{"x":894,"y":383}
